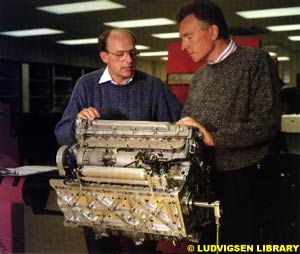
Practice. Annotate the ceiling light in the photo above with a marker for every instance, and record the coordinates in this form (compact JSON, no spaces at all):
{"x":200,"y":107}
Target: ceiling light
{"x":141,"y":47}
{"x":154,"y":53}
{"x":166,"y":35}
{"x":79,"y":41}
{"x":283,"y":58}
{"x":284,"y":28}
{"x":92,"y":41}
{"x":81,"y":7}
{"x":272,"y":53}
{"x":32,"y":32}
{"x":165,"y":58}
{"x":294,"y":38}
{"x":268,"y":13}
{"x":141,"y":23}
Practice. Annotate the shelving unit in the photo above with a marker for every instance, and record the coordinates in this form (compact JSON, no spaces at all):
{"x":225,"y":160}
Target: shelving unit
{"x":10,"y":84}
{"x":37,"y":94}
{"x":40,"y":90}
{"x":64,"y":79}
{"x":36,"y":87}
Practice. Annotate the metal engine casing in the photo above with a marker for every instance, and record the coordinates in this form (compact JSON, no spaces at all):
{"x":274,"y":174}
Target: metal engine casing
{"x":134,"y":178}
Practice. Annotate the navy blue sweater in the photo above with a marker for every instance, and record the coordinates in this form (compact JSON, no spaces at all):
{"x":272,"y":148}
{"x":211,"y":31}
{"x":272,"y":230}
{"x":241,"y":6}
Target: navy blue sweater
{"x":145,"y":98}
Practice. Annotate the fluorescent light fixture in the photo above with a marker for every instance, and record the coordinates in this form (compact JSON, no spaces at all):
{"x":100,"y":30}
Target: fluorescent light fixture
{"x":77,"y":7}
{"x":141,"y":47}
{"x":269,"y":13}
{"x":79,"y":41}
{"x":141,"y":23}
{"x":283,"y":58}
{"x":165,"y":58}
{"x":154,"y":53}
{"x":284,"y":28}
{"x":294,"y":38}
{"x":166,"y":35}
{"x":92,"y":41}
{"x":272,"y":53}
{"x":32,"y":32}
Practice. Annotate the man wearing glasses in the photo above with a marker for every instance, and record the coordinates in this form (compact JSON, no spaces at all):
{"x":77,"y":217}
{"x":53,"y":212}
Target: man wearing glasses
{"x":118,"y":91}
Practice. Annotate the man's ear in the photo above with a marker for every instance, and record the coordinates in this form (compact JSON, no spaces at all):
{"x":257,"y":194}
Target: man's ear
{"x":214,"y":32}
{"x":103,"y":56}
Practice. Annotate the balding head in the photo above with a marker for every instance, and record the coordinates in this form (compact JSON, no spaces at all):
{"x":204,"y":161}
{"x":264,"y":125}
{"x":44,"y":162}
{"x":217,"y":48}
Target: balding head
{"x":113,"y":33}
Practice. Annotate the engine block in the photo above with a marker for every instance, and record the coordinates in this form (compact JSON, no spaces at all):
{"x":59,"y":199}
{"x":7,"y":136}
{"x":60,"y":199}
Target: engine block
{"x":135,"y":178}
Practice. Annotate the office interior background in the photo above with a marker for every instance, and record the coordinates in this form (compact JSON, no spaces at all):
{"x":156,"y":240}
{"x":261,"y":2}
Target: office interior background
{"x":45,"y":46}
{"x":39,"y":70}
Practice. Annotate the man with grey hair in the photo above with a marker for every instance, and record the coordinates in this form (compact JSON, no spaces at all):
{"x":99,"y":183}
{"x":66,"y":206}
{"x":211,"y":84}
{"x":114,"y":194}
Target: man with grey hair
{"x":234,"y":100}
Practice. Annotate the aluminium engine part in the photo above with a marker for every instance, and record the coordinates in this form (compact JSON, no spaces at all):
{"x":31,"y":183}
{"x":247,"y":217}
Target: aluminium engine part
{"x":136,"y":178}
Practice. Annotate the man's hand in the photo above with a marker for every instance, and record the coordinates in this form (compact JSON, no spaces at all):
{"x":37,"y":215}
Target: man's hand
{"x":89,"y":113}
{"x":188,"y":121}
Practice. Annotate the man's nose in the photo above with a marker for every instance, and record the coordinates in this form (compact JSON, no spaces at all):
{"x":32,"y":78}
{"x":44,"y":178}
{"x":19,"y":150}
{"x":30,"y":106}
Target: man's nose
{"x":129,"y":57}
{"x":183,"y":45}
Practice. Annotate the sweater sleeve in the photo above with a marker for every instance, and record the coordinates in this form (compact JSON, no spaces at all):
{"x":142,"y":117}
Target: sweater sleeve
{"x":65,"y":128}
{"x":263,"y":121}
{"x":169,"y":107}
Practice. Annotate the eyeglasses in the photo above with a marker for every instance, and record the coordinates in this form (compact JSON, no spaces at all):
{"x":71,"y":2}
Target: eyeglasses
{"x":121,"y":55}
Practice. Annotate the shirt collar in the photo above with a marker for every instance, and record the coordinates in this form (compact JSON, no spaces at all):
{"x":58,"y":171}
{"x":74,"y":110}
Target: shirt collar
{"x":226,"y":53}
{"x":107,"y":77}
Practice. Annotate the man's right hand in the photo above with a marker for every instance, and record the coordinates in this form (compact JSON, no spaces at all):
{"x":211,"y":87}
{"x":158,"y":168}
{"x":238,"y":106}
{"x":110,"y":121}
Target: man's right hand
{"x":89,"y":113}
{"x":207,"y":137}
